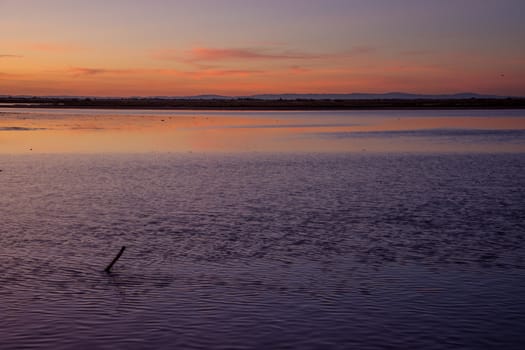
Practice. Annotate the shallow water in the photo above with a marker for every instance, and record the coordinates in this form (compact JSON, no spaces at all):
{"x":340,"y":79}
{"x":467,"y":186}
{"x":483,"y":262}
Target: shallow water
{"x":246,"y":250}
{"x":26,"y":130}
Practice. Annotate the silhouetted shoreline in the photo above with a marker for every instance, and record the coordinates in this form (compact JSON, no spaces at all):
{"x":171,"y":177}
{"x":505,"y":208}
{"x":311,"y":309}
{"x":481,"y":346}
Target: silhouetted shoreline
{"x":261,"y":104}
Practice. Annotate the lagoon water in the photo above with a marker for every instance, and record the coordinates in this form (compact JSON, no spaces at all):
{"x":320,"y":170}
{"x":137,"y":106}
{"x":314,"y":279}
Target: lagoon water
{"x":31,"y":130}
{"x":259,"y":230}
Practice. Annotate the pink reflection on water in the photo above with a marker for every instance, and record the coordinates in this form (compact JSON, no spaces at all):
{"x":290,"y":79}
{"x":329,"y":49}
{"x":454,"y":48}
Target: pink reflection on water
{"x":81,"y":131}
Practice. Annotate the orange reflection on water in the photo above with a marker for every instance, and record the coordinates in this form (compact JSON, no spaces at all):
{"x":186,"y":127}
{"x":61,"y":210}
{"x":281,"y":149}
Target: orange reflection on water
{"x":81,"y":131}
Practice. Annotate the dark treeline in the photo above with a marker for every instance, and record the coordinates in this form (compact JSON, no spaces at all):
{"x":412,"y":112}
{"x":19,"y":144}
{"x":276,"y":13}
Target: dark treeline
{"x":260,"y":104}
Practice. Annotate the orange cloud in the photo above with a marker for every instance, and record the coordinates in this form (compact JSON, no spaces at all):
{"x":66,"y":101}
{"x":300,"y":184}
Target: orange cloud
{"x":212,"y":54}
{"x":78,"y":71}
{"x":207,"y":54}
{"x":202,"y":54}
{"x":225,"y":73}
{"x":10,"y":56}
{"x":198,"y":74}
{"x":171,"y":72}
{"x":414,"y":68}
{"x":9,"y":75}
{"x":299,"y":70}
{"x":210,"y":72}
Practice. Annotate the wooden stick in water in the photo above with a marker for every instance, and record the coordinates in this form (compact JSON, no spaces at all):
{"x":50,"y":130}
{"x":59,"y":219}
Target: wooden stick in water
{"x":115,"y":260}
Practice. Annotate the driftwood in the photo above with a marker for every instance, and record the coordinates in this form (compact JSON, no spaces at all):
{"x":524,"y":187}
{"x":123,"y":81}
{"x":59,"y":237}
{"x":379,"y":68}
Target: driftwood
{"x":115,"y":260}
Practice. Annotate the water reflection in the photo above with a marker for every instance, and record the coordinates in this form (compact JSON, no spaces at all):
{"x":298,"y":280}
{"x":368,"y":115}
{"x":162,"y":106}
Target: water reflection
{"x":98,"y":131}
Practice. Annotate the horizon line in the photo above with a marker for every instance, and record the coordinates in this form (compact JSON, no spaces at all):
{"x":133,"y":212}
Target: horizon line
{"x":275,"y":95}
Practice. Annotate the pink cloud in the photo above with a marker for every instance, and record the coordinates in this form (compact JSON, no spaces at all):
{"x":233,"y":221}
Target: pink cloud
{"x":198,"y":74}
{"x":213,"y":54}
{"x":203,"y":54}
{"x":207,"y":54}
{"x":414,"y":69}
{"x":226,"y":72}
{"x":5,"y":75}
{"x":78,"y":71}
{"x":299,"y":70}
{"x":167,"y":71}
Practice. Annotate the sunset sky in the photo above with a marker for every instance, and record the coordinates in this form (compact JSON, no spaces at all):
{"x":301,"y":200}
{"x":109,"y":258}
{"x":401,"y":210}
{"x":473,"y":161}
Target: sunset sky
{"x":242,"y":47}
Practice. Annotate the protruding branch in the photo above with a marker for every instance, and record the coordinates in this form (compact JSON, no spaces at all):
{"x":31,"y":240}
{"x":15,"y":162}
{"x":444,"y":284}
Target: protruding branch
{"x":115,"y":260}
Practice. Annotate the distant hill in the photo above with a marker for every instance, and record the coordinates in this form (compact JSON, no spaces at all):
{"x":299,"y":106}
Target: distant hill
{"x":271,"y":97}
{"x":363,"y":96}
{"x":352,"y":96}
{"x":275,"y":102}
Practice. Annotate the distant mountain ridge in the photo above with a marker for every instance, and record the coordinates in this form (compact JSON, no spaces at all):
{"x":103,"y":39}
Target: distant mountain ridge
{"x":350,"y":96}
{"x":365,"y":96}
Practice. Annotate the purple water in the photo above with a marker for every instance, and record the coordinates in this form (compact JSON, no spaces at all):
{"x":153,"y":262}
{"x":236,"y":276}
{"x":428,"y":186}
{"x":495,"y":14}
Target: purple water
{"x":260,"y":251}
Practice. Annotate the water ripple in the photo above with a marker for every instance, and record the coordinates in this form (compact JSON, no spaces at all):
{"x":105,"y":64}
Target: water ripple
{"x":262,"y":251}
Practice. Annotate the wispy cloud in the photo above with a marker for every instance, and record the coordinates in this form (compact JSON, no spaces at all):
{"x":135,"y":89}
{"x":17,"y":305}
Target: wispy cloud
{"x":190,"y":74}
{"x":8,"y":75}
{"x":10,"y":56}
{"x":413,"y":68}
{"x":214,"y":54}
{"x":209,"y":54}
{"x":204,"y":54}
{"x":298,"y":70}
{"x":90,"y":71}
{"x":225,"y":73}
{"x":19,"y":128}
{"x":208,"y":73}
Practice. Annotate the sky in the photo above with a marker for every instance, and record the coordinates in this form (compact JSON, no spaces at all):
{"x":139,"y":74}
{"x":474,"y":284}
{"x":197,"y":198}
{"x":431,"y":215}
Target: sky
{"x":244,"y":47}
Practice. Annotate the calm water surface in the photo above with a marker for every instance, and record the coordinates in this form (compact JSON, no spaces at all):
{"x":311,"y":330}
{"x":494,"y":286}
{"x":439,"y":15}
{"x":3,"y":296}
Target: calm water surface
{"x":25,"y":130}
{"x":243,"y":250}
